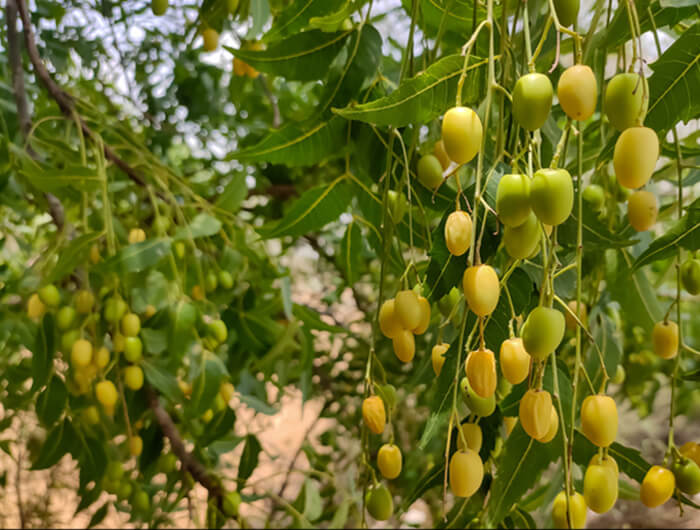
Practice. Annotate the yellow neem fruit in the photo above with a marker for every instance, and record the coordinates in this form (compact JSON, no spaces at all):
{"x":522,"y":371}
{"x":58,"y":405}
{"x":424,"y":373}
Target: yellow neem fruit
{"x":515,"y":361}
{"x":577,"y":92}
{"x":374,"y":414}
{"x":608,"y":462}
{"x":522,"y":241}
{"x":95,"y":255}
{"x":535,"y":413}
{"x":389,"y":461}
{"x":438,"y":356}
{"x":577,"y":507}
{"x":136,"y":235}
{"x":407,"y":308}
{"x":635,"y":156}
{"x":599,"y":419}
{"x":481,"y":289}
{"x":481,"y":372}
{"x":130,"y":325}
{"x":424,"y":307}
{"x":106,"y":394}
{"x":240,"y":67}
{"x":441,"y":154}
{"x":81,"y":353}
{"x":388,"y":319}
{"x":135,"y":445}
{"x":404,"y":345}
{"x":84,"y":301}
{"x":657,"y":487}
{"x":461,"y":134}
{"x":510,"y":422}
{"x":691,"y":450}
{"x":600,"y":488}
{"x":472,"y":435}
{"x":642,"y":210}
{"x":553,"y":427}
{"x":227,"y":391}
{"x":133,"y":377}
{"x":211,"y":39}
{"x":102,"y":357}
{"x":466,"y":473}
{"x":664,"y":337}
{"x":35,"y":307}
{"x":458,"y":232}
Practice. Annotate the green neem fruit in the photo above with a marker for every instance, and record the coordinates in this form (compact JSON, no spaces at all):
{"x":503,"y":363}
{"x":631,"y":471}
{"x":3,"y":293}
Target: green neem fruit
{"x":480,"y":406}
{"x":161,"y":225}
{"x":619,"y":376}
{"x":513,"y":199}
{"x":462,"y":132}
{"x":543,"y":331}
{"x":65,"y":318}
{"x":225,"y":279}
{"x":687,"y":475}
{"x":447,"y":302}
{"x":140,"y":501}
{"x":180,"y":249}
{"x":49,"y":295}
{"x":115,"y":470}
{"x":230,"y":503}
{"x":115,"y":309}
{"x":567,"y":11}
{"x":552,"y":195}
{"x":532,"y":100}
{"x":130,"y":325}
{"x":84,"y":301}
{"x":124,"y":490}
{"x":521,"y":241}
{"x":429,"y":171}
{"x":211,"y":281}
{"x":133,"y":349}
{"x":217,"y":328}
{"x":690,"y":275}
{"x":68,"y":339}
{"x":594,"y":195}
{"x":626,"y":100}
{"x":379,"y":503}
{"x":167,"y":463}
{"x":183,"y":316}
{"x":397,"y":206}
{"x":159,"y":7}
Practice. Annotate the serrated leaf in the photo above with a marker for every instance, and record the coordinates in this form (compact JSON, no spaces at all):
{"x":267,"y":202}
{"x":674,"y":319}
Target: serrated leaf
{"x":51,"y":402}
{"x":595,"y":233}
{"x":350,"y":255}
{"x":249,"y":459}
{"x":300,"y":57}
{"x":424,"y":97}
{"x":299,"y":14}
{"x":137,"y":256}
{"x":72,"y":255}
{"x":456,"y":16}
{"x":203,"y":225}
{"x":312,"y":211}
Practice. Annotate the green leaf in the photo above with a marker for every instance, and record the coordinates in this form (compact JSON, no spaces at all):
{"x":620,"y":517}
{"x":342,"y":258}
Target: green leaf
{"x":203,"y":225}
{"x":99,"y":515}
{"x":219,"y":426}
{"x":595,"y":233}
{"x":50,"y":180}
{"x":299,"y":14}
{"x":52,"y":401}
{"x":629,"y":460}
{"x":340,"y":516}
{"x":300,"y":57}
{"x":431,"y":478}
{"x":162,"y":380}
{"x":424,"y":97}
{"x":313,"y":506}
{"x":259,"y":13}
{"x":209,"y":374}
{"x":298,"y":143}
{"x":257,"y":405}
{"x":249,"y":459}
{"x":311,"y":319}
{"x":233,"y":195}
{"x":44,"y":352}
{"x":673,"y":94}
{"x":59,"y":441}
{"x":350,"y":256}
{"x":72,"y":255}
{"x":154,"y":340}
{"x":336,"y":18}
{"x":312,"y":211}
{"x":137,"y":256}
{"x":456,"y":16}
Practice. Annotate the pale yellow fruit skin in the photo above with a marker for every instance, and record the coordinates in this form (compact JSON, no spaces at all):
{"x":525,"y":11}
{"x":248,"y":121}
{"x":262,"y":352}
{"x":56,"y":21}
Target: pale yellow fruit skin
{"x":472,"y":435}
{"x":135,"y":445}
{"x":35,"y":307}
{"x":608,"y":461}
{"x":635,"y":156}
{"x":510,"y":422}
{"x":578,"y":92}
{"x":389,"y":461}
{"x":600,"y":488}
{"x":515,"y":361}
{"x":374,"y":414}
{"x":458,"y":232}
{"x":481,"y":289}
{"x":599,"y":419}
{"x":438,"y":356}
{"x":81,"y":353}
{"x":664,"y":337}
{"x":407,"y":308}
{"x":211,"y":39}
{"x":657,"y":487}
{"x":553,"y":427}
{"x":535,"y":413}
{"x":388,"y":320}
{"x":577,"y":506}
{"x":441,"y":154}
{"x":642,"y":210}
{"x":461,"y":134}
{"x":481,"y":372}
{"x":424,"y":306}
{"x":136,"y":235}
{"x":466,"y":473}
{"x":404,"y":346}
{"x":102,"y":357}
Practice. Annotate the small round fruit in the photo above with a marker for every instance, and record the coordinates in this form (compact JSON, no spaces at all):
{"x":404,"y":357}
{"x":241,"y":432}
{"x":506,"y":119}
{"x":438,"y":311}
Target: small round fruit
{"x":522,"y":241}
{"x":84,"y":301}
{"x":159,"y":7}
{"x":466,"y":473}
{"x":125,"y":490}
{"x":95,"y":255}
{"x":577,"y":507}
{"x":691,"y":450}
{"x":65,"y":318}
{"x":472,"y":435}
{"x":226,"y":281}
{"x":599,"y":419}
{"x":115,"y":470}
{"x":635,"y":156}
{"x":594,"y":195}
{"x":690,"y":275}
{"x":429,"y":171}
{"x":441,"y":154}
{"x":424,"y":306}
{"x":115,"y":309}
{"x":398,"y":205}
{"x":91,"y":415}
{"x":408,"y":308}
{"x":535,"y":413}
{"x":135,"y":445}
{"x":481,"y":289}
{"x":230,"y":503}
{"x":515,"y":361}
{"x":642,"y":210}
{"x":217,"y":329}
{"x":136,"y":235}
{"x":608,"y":462}
{"x":207,"y":416}
{"x":379,"y":503}
{"x":373,"y":414}
{"x":567,"y":11}
{"x":582,"y":315}
{"x":664,"y":337}
{"x":389,"y":321}
{"x":167,"y":463}
{"x":619,"y":376}
{"x":543,"y":331}
{"x":130,"y":325}
{"x":133,"y":377}
{"x":404,"y":345}
{"x":133,"y":349}
{"x":389,"y":461}
{"x":161,"y":225}
{"x":149,"y":311}
{"x":227,"y":391}
{"x":657,"y":487}
{"x":552,"y":195}
{"x":438,"y":357}
{"x":106,"y":393}
{"x":102,"y":357}
{"x":461,"y":134}
{"x":513,"y":199}
{"x":458,"y":232}
{"x":626,"y":100}
{"x":687,"y":475}
{"x":211,"y":281}
{"x":49,"y":295}
{"x":532,"y":100}
{"x":81,"y":353}
{"x":577,"y":92}
{"x":481,"y":372}
{"x":482,"y":407}
{"x":211,"y":39}
{"x":553,"y":427}
{"x":600,"y":488}
{"x":179,"y":249}
{"x":118,"y":342}
{"x":68,"y":339}
{"x":35,"y":307}
{"x":140,"y":501}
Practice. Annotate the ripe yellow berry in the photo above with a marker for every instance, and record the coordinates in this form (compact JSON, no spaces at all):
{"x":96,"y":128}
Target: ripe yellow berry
{"x":136,"y":235}
{"x":515,"y":361}
{"x":466,"y":473}
{"x":577,"y":92}
{"x":408,"y":309}
{"x":600,"y":488}
{"x":657,"y":487}
{"x":461,"y":134}
{"x":458,"y":232}
{"x":84,"y":301}
{"x":227,"y":391}
{"x":81,"y":353}
{"x":535,"y":413}
{"x":404,"y":346}
{"x":102,"y":357}
{"x":553,"y":427}
{"x":599,"y":419}
{"x":135,"y":445}
{"x":106,"y":394}
{"x":472,"y":435}
{"x":374,"y":414}
{"x":664,"y":337}
{"x":481,"y":289}
{"x":133,"y":377}
{"x":438,"y":356}
{"x":481,"y":372}
{"x":577,"y":507}
{"x":642,"y":210}
{"x":424,"y":307}
{"x":635,"y":156}
{"x":35,"y":307}
{"x":130,"y":325}
{"x":211,"y":39}
{"x":388,"y":319}
{"x":389,"y":461}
